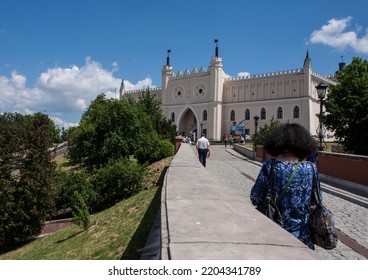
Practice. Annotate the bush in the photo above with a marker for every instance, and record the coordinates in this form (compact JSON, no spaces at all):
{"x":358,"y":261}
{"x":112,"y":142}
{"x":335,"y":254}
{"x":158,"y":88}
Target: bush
{"x":71,"y":182}
{"x":80,"y":211}
{"x":165,"y":149}
{"x":264,"y":131}
{"x":118,"y":180}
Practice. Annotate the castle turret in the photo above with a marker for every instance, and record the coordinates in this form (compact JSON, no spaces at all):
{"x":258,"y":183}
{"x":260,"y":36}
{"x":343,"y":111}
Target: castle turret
{"x":341,"y":65}
{"x":216,"y":73}
{"x":216,"y":88}
{"x":167,"y":73}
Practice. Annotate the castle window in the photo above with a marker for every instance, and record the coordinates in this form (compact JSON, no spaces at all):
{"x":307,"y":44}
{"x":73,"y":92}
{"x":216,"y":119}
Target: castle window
{"x":172,"y":117}
{"x":232,"y":115}
{"x":280,"y":113}
{"x":205,"y":115}
{"x":263,"y":114}
{"x":247,"y":114}
{"x":296,"y":112}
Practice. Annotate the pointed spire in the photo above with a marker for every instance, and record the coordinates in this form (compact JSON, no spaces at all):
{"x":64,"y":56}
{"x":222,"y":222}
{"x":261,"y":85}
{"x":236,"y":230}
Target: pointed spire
{"x":307,"y":60}
{"x":216,"y":49}
{"x":121,"y":90}
{"x":168,"y":57}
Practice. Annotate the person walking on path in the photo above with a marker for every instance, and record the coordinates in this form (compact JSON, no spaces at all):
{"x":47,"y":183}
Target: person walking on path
{"x":231,"y":141}
{"x":226,"y":138}
{"x":203,"y":148}
{"x":289,"y":146}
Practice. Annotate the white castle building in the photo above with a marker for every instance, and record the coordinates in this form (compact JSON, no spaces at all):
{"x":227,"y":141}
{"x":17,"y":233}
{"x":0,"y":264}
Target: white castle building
{"x":207,"y":101}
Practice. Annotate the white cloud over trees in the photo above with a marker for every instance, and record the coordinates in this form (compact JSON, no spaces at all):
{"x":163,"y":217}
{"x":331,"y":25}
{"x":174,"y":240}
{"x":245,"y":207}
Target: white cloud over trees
{"x":62,"y":92}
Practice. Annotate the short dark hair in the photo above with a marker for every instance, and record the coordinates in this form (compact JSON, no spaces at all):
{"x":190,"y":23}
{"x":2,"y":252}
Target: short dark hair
{"x":292,"y":138}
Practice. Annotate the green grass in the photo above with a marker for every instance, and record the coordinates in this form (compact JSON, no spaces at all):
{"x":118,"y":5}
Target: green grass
{"x":119,"y":232}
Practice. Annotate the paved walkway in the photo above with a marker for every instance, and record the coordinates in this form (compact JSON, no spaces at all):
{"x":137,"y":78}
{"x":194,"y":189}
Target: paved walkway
{"x":195,"y":234}
{"x":204,"y":219}
{"x":239,"y":173}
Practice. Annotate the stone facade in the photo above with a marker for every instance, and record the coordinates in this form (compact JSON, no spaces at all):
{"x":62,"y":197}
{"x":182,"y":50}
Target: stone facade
{"x":211,"y":102}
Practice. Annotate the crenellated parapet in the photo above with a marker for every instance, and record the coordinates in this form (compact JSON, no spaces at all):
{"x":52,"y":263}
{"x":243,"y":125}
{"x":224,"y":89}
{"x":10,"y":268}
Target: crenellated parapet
{"x":330,"y":78}
{"x":189,"y":74}
{"x":135,"y":94}
{"x":272,"y":74}
{"x":151,"y":90}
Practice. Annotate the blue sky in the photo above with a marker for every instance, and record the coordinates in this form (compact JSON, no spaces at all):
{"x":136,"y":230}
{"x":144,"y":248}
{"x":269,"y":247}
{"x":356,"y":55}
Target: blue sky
{"x":56,"y":56}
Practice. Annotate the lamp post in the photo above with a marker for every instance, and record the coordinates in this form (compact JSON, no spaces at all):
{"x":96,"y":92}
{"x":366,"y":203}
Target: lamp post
{"x":321,"y":91}
{"x":201,"y":129}
{"x":256,"y":118}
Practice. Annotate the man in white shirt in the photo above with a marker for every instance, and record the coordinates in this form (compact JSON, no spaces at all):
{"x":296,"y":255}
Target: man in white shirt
{"x":203,"y":148}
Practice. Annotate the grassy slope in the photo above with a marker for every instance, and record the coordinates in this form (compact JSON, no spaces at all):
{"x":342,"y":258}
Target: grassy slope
{"x":119,"y":232}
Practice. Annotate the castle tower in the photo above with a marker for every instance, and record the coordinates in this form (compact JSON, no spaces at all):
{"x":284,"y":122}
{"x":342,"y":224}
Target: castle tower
{"x":216,"y":88}
{"x":167,"y":73}
{"x":308,"y":91}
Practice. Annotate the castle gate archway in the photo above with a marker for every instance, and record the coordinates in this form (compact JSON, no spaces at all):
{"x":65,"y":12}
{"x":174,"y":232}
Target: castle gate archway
{"x":188,"y":124}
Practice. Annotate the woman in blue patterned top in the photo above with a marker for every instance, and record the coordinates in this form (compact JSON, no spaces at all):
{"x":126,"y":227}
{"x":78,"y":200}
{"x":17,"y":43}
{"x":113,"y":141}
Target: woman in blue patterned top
{"x":289,"y":144}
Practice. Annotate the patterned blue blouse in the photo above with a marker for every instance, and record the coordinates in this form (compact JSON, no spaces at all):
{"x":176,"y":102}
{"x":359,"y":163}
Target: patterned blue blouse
{"x":295,"y":204}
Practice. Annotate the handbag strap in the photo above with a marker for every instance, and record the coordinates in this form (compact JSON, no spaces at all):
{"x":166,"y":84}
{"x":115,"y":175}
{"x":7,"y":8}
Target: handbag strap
{"x":271,"y":191}
{"x":316,"y":198}
{"x":285,"y":188}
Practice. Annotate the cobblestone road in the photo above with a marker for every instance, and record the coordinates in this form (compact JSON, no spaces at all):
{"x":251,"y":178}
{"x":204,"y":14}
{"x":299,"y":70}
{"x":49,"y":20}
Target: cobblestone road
{"x":239,"y":173}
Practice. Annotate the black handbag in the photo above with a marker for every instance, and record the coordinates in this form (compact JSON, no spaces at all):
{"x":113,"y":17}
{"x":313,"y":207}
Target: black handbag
{"x":321,"y":220}
{"x":269,"y":207}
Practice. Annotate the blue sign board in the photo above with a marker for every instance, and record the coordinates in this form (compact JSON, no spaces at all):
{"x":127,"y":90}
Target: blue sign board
{"x":237,"y":128}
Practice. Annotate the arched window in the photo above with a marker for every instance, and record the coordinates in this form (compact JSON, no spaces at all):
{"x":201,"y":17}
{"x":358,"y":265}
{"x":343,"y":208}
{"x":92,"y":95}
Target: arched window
{"x":263,"y":114}
{"x":232,"y":115}
{"x":296,"y":112}
{"x":247,"y":115}
{"x":205,"y":115}
{"x":172,"y":117}
{"x":280,"y":113}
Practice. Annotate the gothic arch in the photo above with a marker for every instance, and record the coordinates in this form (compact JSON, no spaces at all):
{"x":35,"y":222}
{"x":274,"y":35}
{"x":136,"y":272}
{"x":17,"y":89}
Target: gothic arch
{"x":188,"y":122}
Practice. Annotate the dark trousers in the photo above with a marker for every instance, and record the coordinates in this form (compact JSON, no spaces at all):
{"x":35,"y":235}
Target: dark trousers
{"x":202,"y":154}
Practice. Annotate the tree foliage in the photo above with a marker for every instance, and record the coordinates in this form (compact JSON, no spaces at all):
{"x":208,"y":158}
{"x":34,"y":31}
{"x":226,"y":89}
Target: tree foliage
{"x":27,"y":175}
{"x":75,"y":181}
{"x":114,"y":129}
{"x":152,"y":108}
{"x":264,"y":131}
{"x":81,"y":215}
{"x":346,"y":107}
{"x":117,"y":180}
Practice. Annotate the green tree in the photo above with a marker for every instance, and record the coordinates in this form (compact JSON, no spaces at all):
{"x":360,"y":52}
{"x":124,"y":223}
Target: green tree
{"x":117,"y":180}
{"x":346,"y":107}
{"x":152,"y":107}
{"x":27,"y":175}
{"x":81,"y":215}
{"x":112,"y":129}
{"x":264,"y":131}
{"x":75,"y":181}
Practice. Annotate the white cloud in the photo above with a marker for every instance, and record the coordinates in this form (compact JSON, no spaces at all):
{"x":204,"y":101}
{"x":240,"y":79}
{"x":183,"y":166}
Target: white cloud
{"x":62,"y":92}
{"x":61,"y":123}
{"x":18,"y":81}
{"x":243,"y":74}
{"x":335,"y":34}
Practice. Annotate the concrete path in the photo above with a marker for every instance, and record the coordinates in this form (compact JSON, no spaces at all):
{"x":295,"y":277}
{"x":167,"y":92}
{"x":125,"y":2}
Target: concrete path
{"x":204,"y":219}
{"x":239,"y":173}
{"x":207,"y":214}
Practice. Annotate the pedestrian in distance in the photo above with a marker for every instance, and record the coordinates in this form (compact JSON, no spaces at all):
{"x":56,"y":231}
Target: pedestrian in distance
{"x":289,"y":145}
{"x":226,"y":138}
{"x":203,"y":148}
{"x":231,"y":140}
